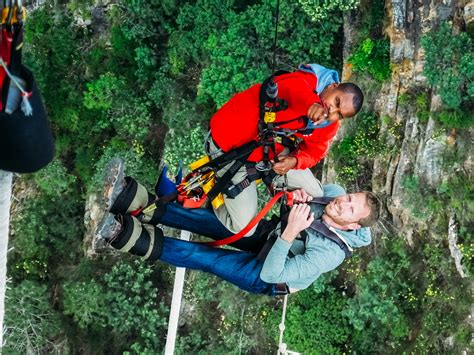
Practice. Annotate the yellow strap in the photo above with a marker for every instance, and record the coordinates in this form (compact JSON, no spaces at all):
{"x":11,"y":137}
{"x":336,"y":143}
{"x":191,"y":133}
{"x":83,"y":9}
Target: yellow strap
{"x":14,"y":18}
{"x":200,"y":162}
{"x":269,"y":117}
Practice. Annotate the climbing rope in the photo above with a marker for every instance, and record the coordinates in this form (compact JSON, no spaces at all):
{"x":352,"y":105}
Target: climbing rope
{"x":282,"y":348}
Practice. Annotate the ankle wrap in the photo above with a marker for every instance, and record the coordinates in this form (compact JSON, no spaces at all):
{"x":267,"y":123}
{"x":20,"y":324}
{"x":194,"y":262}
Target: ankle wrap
{"x":154,"y":217}
{"x":139,"y":239}
{"x":133,"y":197}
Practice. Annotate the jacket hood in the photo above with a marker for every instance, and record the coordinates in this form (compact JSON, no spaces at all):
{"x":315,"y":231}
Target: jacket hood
{"x":357,"y":238}
{"x":325,"y":76}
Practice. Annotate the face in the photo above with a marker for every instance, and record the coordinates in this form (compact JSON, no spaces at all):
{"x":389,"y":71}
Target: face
{"x":338,"y":103}
{"x":344,"y":212}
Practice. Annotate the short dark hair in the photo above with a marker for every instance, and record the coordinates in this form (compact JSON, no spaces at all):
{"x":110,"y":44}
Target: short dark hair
{"x":353,"y":89}
{"x":373,"y":202}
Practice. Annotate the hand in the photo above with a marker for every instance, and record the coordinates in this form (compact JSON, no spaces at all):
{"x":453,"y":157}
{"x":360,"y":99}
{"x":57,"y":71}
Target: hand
{"x":301,"y":195}
{"x":318,"y":113}
{"x":285,"y":164}
{"x":299,"y":219}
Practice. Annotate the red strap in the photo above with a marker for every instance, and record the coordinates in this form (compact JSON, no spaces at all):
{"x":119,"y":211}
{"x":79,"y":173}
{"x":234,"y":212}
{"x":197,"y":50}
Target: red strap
{"x":248,"y":227}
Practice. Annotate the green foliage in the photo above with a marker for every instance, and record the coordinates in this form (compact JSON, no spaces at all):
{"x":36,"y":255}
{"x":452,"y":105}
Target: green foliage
{"x":372,"y":57}
{"x":377,"y":309}
{"x":356,"y":148}
{"x":31,"y":324}
{"x":423,"y":107}
{"x":86,"y":303}
{"x":99,"y":94}
{"x":460,"y":119}
{"x":54,"y":180}
{"x":46,"y":232}
{"x":132,"y":306}
{"x":231,"y":44}
{"x":314,"y":323}
{"x":322,"y":10}
{"x":186,"y":148}
{"x":449,"y":65}
{"x":233,"y":319}
{"x":137,"y":164}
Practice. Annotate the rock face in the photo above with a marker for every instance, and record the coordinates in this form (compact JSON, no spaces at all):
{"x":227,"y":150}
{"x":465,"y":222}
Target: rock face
{"x":419,"y":147}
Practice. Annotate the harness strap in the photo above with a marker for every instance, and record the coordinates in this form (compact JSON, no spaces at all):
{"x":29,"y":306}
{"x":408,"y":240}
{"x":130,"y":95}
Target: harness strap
{"x":233,"y":190}
{"x":320,"y":227}
{"x":248,"y":227}
{"x":224,"y":180}
{"x":239,"y":153}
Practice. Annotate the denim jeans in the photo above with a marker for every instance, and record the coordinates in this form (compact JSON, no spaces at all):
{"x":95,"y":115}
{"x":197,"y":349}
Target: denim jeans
{"x":240,"y":268}
{"x":204,"y":222}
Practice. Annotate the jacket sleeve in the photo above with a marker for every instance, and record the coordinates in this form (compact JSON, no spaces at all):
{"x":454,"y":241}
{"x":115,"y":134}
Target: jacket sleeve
{"x":315,"y":147}
{"x":277,"y":268}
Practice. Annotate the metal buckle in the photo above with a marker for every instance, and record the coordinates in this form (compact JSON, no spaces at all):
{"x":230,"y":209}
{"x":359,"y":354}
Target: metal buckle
{"x":263,"y":166}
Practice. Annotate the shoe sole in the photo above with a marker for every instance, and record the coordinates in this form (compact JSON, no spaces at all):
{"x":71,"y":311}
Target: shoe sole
{"x":114,"y":175}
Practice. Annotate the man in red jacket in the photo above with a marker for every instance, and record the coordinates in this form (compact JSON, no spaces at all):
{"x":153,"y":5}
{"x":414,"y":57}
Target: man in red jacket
{"x":316,"y":102}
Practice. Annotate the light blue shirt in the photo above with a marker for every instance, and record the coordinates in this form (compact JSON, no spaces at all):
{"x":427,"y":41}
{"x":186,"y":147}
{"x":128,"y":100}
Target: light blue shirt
{"x":313,"y":257}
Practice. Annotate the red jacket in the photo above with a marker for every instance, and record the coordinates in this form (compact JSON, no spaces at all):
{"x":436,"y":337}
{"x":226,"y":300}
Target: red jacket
{"x":236,"y":123}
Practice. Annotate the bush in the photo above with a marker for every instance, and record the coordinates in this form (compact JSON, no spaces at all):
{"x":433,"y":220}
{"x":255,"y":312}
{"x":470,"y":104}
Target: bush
{"x":86,"y":303}
{"x":378,"y":310}
{"x":31,"y":324}
{"x":54,"y":180}
{"x":449,"y":65}
{"x":137,"y":164}
{"x":185,"y":148}
{"x":372,"y":57}
{"x":47,"y":232}
{"x":315,"y":327}
{"x":321,"y":10}
{"x":356,"y":148}
{"x":133,"y":308}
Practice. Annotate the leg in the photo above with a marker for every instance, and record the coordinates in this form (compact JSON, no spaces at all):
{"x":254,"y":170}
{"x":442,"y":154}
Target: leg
{"x":302,"y":179}
{"x":124,"y":196}
{"x":236,"y":212}
{"x":127,"y":234}
{"x":237,"y":267}
{"x":201,"y":221}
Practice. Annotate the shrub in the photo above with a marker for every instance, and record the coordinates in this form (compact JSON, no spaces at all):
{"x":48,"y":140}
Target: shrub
{"x":86,"y":303}
{"x":54,"y":180}
{"x":31,"y":324}
{"x":133,"y":308}
{"x":449,"y":65}
{"x":321,"y":10}
{"x":378,"y":310}
{"x":359,"y":147}
{"x":373,"y":57}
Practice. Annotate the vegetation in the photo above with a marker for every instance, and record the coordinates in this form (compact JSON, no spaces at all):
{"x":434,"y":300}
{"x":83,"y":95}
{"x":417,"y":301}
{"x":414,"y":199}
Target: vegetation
{"x":141,"y":80}
{"x":354,"y":153}
{"x":372,"y":57}
{"x":449,"y":69}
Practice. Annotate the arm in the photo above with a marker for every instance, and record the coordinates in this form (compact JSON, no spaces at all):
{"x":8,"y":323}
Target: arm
{"x":315,"y":147}
{"x":277,"y":268}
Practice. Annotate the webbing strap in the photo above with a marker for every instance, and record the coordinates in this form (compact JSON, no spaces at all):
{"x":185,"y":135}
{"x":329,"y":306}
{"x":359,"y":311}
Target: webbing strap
{"x":320,"y":227}
{"x":248,"y":227}
{"x":240,"y":153}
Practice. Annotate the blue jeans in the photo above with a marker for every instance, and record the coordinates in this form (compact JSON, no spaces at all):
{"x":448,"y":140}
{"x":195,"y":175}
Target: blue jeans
{"x":204,"y":222}
{"x":240,"y":268}
{"x":237,"y":267}
{"x":200,"y":221}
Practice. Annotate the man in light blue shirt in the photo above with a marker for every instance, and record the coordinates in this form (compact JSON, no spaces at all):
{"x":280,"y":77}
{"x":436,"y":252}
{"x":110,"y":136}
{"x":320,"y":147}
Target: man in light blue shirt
{"x":298,"y":256}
